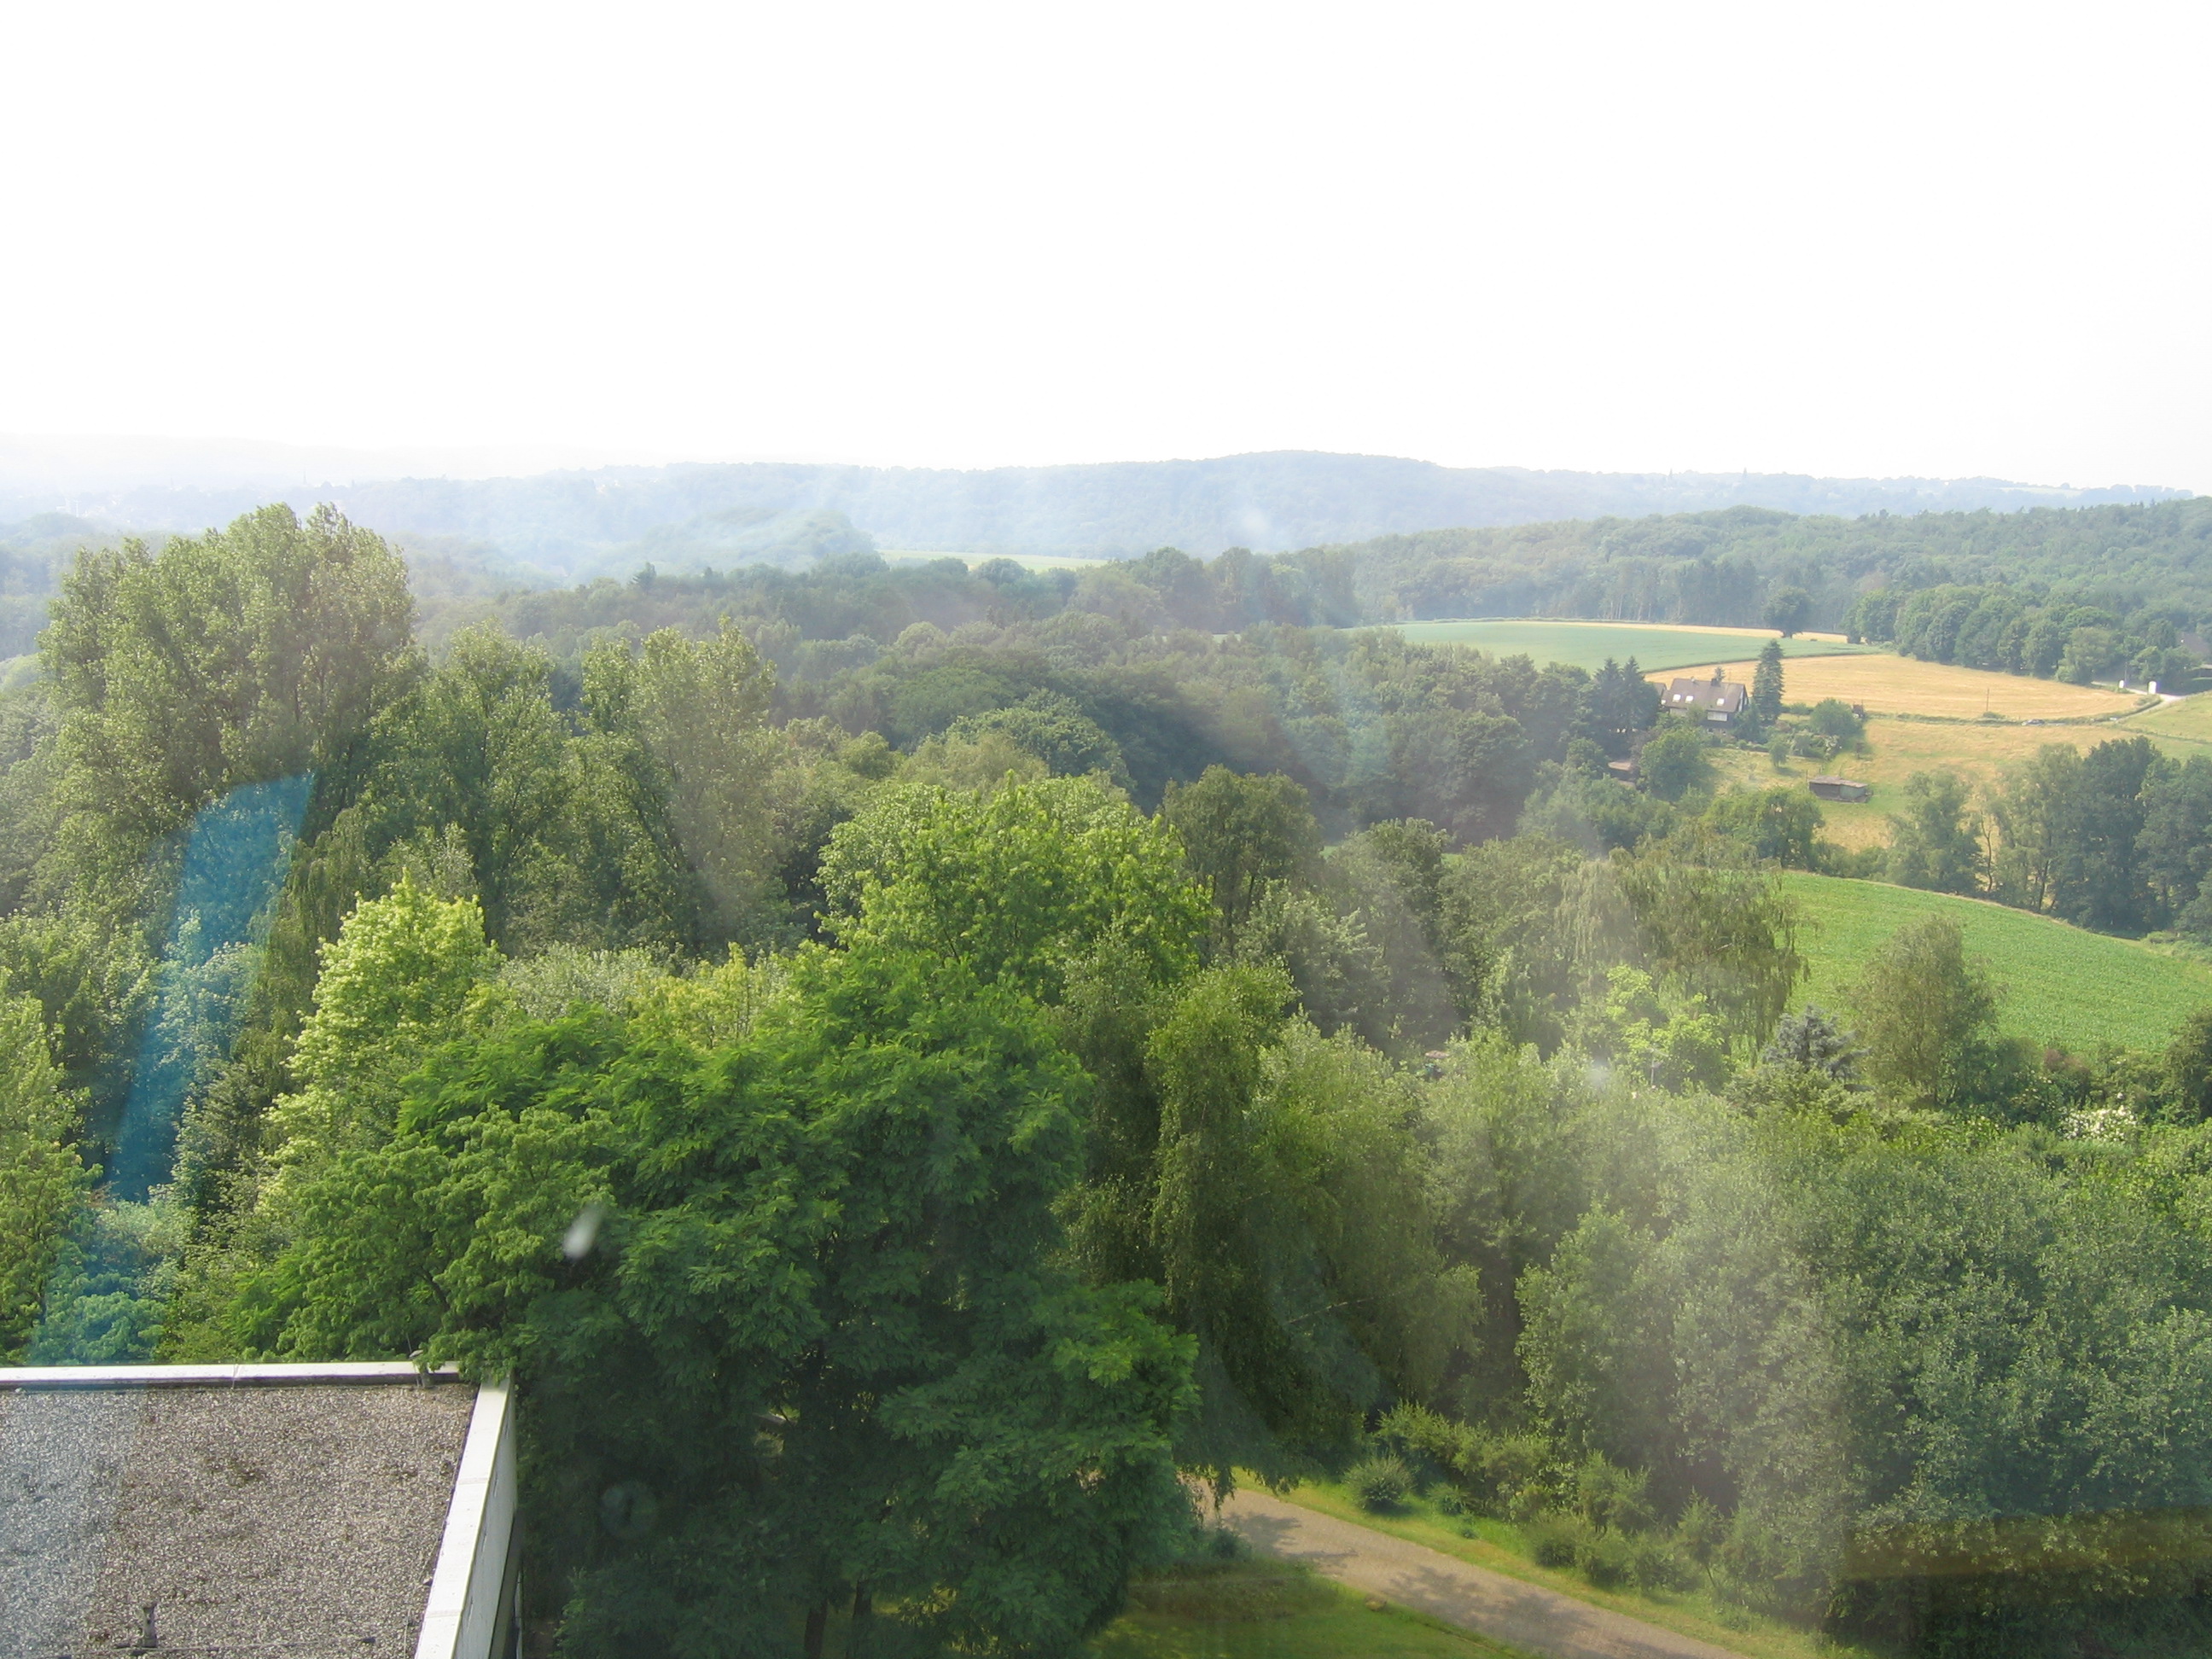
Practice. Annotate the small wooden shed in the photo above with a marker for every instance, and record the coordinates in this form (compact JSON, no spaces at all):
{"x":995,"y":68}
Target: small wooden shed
{"x":1839,"y":789}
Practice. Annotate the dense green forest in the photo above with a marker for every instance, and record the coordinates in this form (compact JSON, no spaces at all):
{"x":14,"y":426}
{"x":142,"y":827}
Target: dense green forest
{"x":2030,"y":629}
{"x":1730,"y":568}
{"x":908,"y":1075}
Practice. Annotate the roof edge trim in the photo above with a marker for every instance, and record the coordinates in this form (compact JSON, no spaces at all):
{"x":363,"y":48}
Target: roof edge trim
{"x":469,"y":1582}
{"x":201,"y":1377}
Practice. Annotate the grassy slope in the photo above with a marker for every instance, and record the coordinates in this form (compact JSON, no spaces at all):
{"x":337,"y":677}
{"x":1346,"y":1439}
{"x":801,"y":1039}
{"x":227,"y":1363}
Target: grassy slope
{"x":2187,"y":721}
{"x":1331,"y":1622}
{"x":1589,"y":644}
{"x":2058,"y":984}
{"x":1497,"y":1545}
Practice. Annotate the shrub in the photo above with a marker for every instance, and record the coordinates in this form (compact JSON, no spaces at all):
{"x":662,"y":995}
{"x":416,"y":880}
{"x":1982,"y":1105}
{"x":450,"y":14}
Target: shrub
{"x":1655,"y":1564}
{"x":1555,"y":1540}
{"x":1860,"y":863}
{"x":1833,"y":718}
{"x":1609,"y":1496}
{"x":1511,"y":1469}
{"x":1701,"y":1529}
{"x":1770,"y":1570}
{"x":1607,"y":1558}
{"x":1379,"y":1483}
{"x":1674,"y":763}
{"x":1430,"y":1444}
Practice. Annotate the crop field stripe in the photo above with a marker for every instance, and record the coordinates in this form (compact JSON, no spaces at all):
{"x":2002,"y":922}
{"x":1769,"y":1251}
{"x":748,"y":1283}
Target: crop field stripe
{"x":2056,"y":983}
{"x":1886,"y":684}
{"x":1706,"y":662}
{"x":1659,"y":646}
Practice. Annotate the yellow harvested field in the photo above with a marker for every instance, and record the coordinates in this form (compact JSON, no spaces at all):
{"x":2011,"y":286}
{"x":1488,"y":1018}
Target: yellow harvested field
{"x":1978,"y":753}
{"x":1900,"y":685}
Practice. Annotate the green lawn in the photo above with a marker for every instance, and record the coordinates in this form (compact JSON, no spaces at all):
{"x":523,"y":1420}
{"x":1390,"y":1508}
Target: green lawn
{"x":2057,"y":984}
{"x":1259,"y":1610}
{"x":1587,"y":644}
{"x":2189,"y":720}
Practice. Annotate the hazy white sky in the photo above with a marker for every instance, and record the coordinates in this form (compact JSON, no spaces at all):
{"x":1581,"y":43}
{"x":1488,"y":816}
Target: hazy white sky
{"x":1840,"y":239}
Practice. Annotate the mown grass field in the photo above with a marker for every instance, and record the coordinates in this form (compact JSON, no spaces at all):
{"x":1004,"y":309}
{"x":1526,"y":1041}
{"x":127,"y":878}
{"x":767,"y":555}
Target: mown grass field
{"x":1587,"y":644}
{"x":1260,"y":1610}
{"x":2189,"y":720}
{"x":1883,"y":684}
{"x":2057,"y":983}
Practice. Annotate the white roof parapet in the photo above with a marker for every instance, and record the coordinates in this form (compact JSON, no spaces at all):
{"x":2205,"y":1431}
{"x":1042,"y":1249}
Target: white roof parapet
{"x":202,"y":1377}
{"x":469,"y":1584}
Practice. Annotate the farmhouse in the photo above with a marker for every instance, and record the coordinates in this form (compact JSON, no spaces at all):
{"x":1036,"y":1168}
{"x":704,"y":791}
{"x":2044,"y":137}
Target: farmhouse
{"x":256,"y":1509}
{"x":1716,"y":701}
{"x":1839,"y":789}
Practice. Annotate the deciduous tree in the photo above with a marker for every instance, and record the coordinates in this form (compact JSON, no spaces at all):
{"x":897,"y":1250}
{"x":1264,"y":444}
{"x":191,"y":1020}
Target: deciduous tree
{"x":1923,"y":1010}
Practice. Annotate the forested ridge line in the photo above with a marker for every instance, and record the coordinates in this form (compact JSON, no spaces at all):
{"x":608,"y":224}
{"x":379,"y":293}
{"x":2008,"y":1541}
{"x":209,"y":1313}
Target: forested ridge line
{"x":1729,"y":567}
{"x":587,"y":522}
{"x":902,"y":1114}
{"x":2138,"y":571}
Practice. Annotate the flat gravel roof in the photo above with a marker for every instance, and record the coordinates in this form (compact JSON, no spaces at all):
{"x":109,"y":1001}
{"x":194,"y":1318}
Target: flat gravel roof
{"x":302,"y":1519}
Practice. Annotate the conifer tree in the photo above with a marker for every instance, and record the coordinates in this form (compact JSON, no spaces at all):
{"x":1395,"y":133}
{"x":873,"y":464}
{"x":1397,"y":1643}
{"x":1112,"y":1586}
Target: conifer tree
{"x":1766,"y":683}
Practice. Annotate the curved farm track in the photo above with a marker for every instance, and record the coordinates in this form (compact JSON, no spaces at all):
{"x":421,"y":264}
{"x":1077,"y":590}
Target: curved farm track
{"x":1522,"y":1615}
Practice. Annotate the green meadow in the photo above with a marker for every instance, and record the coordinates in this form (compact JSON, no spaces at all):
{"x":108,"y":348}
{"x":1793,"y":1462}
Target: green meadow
{"x":1587,"y":644}
{"x":2189,"y":720}
{"x":2057,"y":983}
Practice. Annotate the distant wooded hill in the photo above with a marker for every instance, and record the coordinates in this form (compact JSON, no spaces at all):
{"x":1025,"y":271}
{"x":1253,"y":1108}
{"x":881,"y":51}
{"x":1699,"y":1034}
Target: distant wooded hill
{"x":813,"y":571}
{"x":2137,"y":578}
{"x":1725,"y":567}
{"x":573,"y":524}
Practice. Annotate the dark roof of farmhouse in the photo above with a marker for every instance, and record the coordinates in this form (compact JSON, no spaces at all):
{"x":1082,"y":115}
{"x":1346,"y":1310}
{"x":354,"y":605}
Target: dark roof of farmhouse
{"x":1712,"y":696}
{"x":226,"y":1510}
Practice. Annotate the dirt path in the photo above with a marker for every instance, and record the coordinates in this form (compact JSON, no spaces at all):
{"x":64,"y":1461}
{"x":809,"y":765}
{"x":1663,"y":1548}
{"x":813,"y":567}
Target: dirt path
{"x":1523,"y":1615}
